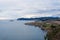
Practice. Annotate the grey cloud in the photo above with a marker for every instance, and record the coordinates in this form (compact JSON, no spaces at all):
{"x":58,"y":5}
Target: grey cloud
{"x":46,"y":11}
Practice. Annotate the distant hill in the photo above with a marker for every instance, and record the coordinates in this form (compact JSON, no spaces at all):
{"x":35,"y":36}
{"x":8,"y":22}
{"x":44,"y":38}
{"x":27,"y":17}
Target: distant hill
{"x":41,"y":18}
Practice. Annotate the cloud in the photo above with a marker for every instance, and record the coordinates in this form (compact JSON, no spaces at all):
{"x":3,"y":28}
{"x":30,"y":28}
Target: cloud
{"x":19,"y":8}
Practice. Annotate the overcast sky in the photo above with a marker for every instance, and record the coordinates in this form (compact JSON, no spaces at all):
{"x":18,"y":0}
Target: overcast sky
{"x":29,"y":8}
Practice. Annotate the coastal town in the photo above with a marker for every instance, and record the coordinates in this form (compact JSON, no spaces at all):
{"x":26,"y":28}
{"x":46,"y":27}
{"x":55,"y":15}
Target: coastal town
{"x":52,"y":28}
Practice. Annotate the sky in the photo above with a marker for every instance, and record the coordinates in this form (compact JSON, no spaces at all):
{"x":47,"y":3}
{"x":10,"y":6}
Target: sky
{"x":29,"y":8}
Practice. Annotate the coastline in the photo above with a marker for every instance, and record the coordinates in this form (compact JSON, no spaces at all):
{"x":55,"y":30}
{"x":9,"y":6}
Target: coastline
{"x":52,"y":28}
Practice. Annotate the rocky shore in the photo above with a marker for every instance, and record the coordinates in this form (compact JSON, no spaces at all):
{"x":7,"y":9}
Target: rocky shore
{"x":52,"y":28}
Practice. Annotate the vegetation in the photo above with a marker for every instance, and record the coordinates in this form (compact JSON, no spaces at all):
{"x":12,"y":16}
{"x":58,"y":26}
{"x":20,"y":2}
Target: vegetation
{"x":53,"y":30}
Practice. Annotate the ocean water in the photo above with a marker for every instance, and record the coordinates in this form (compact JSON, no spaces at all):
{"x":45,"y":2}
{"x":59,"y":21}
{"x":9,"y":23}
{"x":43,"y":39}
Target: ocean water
{"x":16,"y":30}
